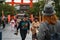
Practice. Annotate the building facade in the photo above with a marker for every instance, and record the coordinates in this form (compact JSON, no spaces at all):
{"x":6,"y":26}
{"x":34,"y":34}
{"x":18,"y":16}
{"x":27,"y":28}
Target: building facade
{"x":20,"y":5}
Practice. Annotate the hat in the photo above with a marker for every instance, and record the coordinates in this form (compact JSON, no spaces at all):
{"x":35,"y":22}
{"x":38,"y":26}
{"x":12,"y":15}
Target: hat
{"x":48,"y":10}
{"x":51,"y":2}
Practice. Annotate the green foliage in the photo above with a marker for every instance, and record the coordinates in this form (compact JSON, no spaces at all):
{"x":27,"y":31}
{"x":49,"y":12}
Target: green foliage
{"x":57,"y":8}
{"x":42,"y":3}
{"x":7,"y":9}
{"x":37,"y":7}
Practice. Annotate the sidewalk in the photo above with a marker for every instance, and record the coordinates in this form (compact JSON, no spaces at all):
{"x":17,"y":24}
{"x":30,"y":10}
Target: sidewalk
{"x":7,"y":34}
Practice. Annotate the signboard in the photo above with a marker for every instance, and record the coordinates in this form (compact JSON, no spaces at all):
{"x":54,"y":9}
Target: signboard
{"x":25,"y":7}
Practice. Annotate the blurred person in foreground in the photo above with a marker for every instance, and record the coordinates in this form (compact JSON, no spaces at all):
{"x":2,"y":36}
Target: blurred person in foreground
{"x":34,"y":28}
{"x":3,"y":21}
{"x":24,"y":27}
{"x":12,"y":24}
{"x":49,"y":28}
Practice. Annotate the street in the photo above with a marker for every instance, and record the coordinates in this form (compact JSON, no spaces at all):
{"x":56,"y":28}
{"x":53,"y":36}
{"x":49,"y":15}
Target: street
{"x":8,"y":34}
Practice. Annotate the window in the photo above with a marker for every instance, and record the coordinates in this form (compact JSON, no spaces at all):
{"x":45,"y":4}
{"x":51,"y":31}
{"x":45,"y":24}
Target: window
{"x":17,"y":0}
{"x":35,"y":0}
{"x":8,"y":0}
{"x":26,"y":1}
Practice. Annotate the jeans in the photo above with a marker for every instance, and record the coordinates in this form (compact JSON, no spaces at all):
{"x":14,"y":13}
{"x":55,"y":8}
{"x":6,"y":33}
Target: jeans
{"x":23,"y":34}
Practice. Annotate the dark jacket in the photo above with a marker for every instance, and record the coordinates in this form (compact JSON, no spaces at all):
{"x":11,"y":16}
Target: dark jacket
{"x":23,"y":26}
{"x":43,"y":27}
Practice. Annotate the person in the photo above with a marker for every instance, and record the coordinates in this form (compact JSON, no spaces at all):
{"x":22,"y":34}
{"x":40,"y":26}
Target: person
{"x":24,"y":27}
{"x":0,"y":21}
{"x":35,"y":26}
{"x":15,"y":19}
{"x":9,"y":18}
{"x":50,"y":26}
{"x":12,"y":23}
{"x":3,"y":22}
{"x":16,"y":24}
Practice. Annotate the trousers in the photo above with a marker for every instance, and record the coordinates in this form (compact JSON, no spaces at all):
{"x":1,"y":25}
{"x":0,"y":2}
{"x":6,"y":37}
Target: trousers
{"x":23,"y":34}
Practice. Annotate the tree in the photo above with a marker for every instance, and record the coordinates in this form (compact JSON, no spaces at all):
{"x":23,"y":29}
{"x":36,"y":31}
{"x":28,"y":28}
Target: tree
{"x":37,"y":8}
{"x":42,"y":3}
{"x":7,"y":9}
{"x":57,"y":7}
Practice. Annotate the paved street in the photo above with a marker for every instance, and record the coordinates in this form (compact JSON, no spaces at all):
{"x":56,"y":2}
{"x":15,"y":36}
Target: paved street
{"x":7,"y":34}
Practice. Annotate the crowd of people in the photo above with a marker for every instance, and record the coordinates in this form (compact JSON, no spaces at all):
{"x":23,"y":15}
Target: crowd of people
{"x":48,"y":29}
{"x":24,"y":26}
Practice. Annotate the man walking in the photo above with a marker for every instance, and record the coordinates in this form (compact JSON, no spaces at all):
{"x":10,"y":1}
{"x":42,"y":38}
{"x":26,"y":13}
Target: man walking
{"x":24,"y":27}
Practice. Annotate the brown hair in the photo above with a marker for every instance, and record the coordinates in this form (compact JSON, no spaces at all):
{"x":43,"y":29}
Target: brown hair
{"x":51,"y":19}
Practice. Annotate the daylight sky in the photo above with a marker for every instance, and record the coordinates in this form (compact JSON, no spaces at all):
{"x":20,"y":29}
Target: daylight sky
{"x":20,"y":1}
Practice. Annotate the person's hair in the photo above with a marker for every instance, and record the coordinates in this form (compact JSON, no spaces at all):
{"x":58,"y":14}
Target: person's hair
{"x":51,"y":19}
{"x":36,"y":19}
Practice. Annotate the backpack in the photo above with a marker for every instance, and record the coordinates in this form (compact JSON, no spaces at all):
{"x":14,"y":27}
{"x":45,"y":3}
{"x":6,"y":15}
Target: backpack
{"x":48,"y":35}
